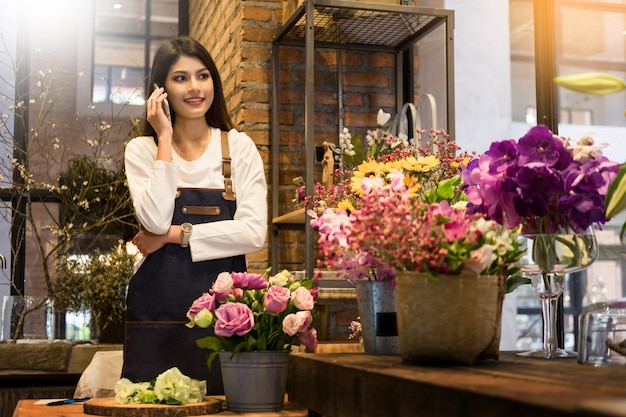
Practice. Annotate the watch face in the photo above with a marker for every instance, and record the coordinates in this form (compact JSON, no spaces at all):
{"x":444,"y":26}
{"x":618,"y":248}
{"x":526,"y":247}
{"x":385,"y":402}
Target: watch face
{"x":186,"y":227}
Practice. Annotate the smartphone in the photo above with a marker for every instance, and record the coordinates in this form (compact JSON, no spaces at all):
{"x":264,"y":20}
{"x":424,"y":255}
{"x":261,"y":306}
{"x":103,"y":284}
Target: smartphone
{"x":166,"y":106}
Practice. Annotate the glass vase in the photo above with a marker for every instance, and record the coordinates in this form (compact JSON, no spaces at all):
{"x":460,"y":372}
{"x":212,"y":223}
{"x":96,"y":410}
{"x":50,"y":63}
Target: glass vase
{"x":549,"y":258}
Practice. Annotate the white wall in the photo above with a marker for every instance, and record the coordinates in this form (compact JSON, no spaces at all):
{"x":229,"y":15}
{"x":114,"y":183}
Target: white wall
{"x":482,"y":72}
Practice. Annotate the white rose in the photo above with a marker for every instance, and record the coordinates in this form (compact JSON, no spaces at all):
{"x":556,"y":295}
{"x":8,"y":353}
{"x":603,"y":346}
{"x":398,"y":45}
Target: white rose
{"x":291,"y":324}
{"x":223,"y":283}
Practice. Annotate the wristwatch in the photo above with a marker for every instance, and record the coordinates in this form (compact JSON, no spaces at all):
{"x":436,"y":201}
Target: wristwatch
{"x":187,"y":228}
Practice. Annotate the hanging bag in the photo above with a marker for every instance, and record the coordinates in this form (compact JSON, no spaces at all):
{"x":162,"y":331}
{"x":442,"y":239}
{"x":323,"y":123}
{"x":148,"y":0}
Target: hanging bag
{"x":408,"y":120}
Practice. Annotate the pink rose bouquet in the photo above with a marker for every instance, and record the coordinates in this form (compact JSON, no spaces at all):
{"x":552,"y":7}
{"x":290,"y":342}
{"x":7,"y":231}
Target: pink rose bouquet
{"x":250,"y":312}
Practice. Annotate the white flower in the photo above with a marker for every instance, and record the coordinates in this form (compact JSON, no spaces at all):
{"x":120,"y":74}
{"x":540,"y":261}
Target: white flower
{"x":382,"y":118}
{"x":281,"y":279}
{"x":223,"y":283}
{"x":128,"y":392}
{"x":585,"y":150}
{"x":174,"y":387}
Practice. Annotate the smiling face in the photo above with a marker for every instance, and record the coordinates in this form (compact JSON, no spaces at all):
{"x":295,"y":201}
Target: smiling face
{"x":189,"y":88}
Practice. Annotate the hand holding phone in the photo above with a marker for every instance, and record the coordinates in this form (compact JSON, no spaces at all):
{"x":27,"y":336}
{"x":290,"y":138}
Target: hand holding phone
{"x":166,"y":106}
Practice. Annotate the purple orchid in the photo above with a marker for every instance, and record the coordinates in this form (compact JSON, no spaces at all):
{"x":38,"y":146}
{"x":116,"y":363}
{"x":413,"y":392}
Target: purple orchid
{"x":537,"y":182}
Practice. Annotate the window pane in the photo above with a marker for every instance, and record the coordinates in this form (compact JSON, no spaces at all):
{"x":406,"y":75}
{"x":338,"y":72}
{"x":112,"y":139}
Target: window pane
{"x":118,"y":70}
{"x":164,"y":20}
{"x":129,"y":17}
{"x":120,"y":16}
{"x":118,"y":84}
{"x":601,"y":50}
{"x":604,"y":42}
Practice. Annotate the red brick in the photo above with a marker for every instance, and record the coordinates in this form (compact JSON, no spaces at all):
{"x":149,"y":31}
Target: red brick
{"x":360,"y":119}
{"x":382,"y":100}
{"x":256,"y":13}
{"x":366,"y":80}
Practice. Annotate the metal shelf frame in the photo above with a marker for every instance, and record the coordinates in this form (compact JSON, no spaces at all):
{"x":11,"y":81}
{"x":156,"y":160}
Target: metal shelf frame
{"x":348,"y":25}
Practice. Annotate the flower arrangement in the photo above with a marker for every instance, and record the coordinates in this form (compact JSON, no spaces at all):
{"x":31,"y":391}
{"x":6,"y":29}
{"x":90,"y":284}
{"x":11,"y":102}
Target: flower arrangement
{"x":393,"y":229}
{"x":541,"y":182}
{"x":549,"y":188}
{"x":250,"y":312}
{"x":171,"y":388}
{"x":402,"y":208}
{"x":432,"y":165}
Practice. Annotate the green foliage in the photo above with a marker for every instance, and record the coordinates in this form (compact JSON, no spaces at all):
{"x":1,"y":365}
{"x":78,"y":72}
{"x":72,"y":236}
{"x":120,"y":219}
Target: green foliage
{"x":615,"y":200}
{"x":96,"y":282}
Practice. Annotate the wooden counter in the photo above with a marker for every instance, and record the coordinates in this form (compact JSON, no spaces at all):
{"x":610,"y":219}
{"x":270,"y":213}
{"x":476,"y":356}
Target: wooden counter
{"x":31,"y":408}
{"x":361,"y":385}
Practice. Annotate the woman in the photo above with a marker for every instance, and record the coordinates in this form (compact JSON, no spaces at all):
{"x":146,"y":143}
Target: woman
{"x":201,"y":212}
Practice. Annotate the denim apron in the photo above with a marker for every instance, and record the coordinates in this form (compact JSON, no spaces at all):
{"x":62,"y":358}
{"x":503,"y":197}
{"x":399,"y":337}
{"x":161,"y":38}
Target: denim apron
{"x":165,"y":286}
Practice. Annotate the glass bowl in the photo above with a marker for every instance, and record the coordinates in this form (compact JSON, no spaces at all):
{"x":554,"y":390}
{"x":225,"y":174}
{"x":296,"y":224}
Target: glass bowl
{"x":602,"y":334}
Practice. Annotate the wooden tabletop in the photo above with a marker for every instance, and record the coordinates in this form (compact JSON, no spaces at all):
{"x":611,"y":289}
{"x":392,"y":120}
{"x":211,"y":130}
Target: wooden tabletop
{"x":36,"y":408}
{"x":362,"y":385}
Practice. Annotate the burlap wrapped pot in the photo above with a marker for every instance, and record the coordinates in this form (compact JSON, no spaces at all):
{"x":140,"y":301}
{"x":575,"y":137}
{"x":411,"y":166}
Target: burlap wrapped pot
{"x":451,"y":319}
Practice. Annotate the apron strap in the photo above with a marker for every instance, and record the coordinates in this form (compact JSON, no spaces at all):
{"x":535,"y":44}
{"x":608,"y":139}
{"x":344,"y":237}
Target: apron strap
{"x":228,"y":193}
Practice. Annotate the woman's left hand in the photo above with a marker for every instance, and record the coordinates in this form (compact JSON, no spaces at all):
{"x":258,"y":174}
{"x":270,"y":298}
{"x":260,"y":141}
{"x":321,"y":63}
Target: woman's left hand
{"x":148,"y":242}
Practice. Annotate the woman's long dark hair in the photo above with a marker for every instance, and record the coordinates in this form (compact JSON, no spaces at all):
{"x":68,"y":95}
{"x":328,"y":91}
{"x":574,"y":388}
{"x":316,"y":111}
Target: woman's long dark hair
{"x":167,"y":54}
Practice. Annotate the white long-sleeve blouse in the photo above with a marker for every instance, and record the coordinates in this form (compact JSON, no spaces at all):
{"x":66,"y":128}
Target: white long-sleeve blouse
{"x":153,"y":186}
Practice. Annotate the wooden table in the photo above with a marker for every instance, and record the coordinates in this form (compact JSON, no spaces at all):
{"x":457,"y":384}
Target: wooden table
{"x":362,"y":385}
{"x":30,"y":408}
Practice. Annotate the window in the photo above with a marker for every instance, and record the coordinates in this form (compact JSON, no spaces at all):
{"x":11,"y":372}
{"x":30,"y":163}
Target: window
{"x":590,"y":37}
{"x":602,"y":48}
{"x":115,"y":55}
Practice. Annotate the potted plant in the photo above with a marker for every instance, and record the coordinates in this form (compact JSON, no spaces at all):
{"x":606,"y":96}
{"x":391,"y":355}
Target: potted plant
{"x":252,"y":320}
{"x":96,"y":283}
{"x":443,"y":260}
{"x":554,"y":191}
{"x":388,"y":214}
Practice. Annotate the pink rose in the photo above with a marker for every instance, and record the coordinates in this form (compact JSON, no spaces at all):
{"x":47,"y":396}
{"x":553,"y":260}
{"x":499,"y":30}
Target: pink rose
{"x":305,"y":318}
{"x":276,"y":299}
{"x":302,"y":299}
{"x":298,"y":322}
{"x":309,"y":339}
{"x":480,"y":259}
{"x":222,"y":286}
{"x":291,"y":324}
{"x":233,"y":318}
{"x":206,"y":300}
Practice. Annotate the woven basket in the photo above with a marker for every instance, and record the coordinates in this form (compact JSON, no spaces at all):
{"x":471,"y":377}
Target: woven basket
{"x":453,"y":319}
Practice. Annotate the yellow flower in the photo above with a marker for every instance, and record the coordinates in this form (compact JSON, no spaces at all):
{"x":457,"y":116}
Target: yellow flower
{"x":345,"y":205}
{"x":355,"y":182}
{"x":368,"y":169}
{"x":421,"y":164}
{"x":371,"y":168}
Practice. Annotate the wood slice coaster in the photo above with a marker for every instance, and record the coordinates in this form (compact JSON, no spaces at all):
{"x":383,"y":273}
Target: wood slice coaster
{"x":110,"y":407}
